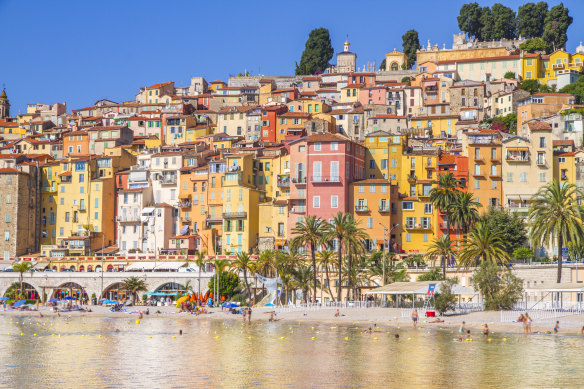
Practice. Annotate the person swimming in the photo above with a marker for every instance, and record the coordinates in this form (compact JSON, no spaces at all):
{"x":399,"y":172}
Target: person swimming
{"x":557,"y":327}
{"x":486,"y":330}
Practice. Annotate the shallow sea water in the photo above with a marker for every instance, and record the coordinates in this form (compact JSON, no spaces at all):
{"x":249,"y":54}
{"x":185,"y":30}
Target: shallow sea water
{"x":212,"y":353}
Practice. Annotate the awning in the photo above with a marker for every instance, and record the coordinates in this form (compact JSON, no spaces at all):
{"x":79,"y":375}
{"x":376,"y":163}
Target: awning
{"x":420,"y":287}
{"x":147,"y":210}
{"x":169,"y":265}
{"x":139,"y":266}
{"x":120,"y":263}
{"x":518,"y":148}
{"x":40,"y":266}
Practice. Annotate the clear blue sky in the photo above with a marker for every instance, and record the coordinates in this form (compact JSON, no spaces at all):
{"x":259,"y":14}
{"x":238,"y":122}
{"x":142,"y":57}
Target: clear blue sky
{"x":82,"y":51}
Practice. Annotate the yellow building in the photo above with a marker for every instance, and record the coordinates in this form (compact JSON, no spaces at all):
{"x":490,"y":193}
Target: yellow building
{"x":418,"y":175}
{"x":441,"y":125}
{"x":240,"y":205}
{"x":192,"y":133}
{"x":547,"y":67}
{"x":49,"y":189}
{"x":383,"y":156}
{"x":350,"y":93}
{"x":273,"y":172}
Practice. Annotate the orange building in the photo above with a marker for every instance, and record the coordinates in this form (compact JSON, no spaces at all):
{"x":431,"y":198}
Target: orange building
{"x":374,"y":205}
{"x":458,"y":166}
{"x":76,"y":143}
{"x":485,"y":175}
{"x":290,"y":122}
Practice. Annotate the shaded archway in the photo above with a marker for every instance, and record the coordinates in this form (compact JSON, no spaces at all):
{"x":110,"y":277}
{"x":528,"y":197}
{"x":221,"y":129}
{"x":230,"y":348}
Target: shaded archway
{"x":394,"y":66}
{"x":71,"y":290}
{"x":170,"y":287}
{"x":89,"y":269}
{"x":81,"y":268}
{"x":29,"y":291}
{"x":115,"y":292}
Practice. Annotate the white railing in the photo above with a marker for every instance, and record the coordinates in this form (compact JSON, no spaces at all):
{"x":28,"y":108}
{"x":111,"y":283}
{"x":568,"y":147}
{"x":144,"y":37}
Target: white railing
{"x":512,"y":316}
{"x":329,"y":305}
{"x":459,"y":309}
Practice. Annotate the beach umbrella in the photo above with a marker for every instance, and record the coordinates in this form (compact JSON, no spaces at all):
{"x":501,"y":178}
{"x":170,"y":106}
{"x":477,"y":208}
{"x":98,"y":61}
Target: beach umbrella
{"x":19,"y":303}
{"x":69,"y":298}
{"x":181,"y":300}
{"x":54,"y":300}
{"x":4,"y":298}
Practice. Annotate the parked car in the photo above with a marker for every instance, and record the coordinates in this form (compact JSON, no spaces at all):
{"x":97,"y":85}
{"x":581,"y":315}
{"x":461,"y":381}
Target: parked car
{"x":49,"y":270}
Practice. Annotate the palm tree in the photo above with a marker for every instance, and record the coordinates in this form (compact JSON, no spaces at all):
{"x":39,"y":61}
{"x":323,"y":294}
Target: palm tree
{"x":309,"y":232}
{"x":266,"y":263}
{"x":188,"y":287}
{"x":443,"y":249}
{"x":133,"y":285}
{"x":354,"y":247}
{"x":21,"y":268}
{"x":200,"y":262}
{"x":444,"y":194}
{"x":325,"y":259}
{"x":482,"y":245}
{"x":464,"y":212}
{"x":302,"y":278}
{"x":554,"y":214}
{"x":340,"y":229}
{"x":244,"y":264}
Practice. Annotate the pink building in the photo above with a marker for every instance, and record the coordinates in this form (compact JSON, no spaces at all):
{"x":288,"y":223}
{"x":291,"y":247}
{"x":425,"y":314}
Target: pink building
{"x":322,"y":167}
{"x":373,"y":95}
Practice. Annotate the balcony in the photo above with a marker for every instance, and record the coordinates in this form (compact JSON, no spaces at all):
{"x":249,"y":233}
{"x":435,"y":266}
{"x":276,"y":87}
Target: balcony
{"x":479,"y":158}
{"x":361,"y":208}
{"x":234,"y":215}
{"x":478,"y":173}
{"x":325,"y":179}
{"x":298,"y":209}
{"x":518,"y":205}
{"x":412,"y":178}
{"x":283,"y":181}
{"x":299,"y":180}
{"x":494,"y":176}
{"x":558,"y":66}
{"x":185,"y":219}
{"x":424,"y":226}
{"x":564,"y":178}
{"x":384,"y":208}
{"x":517,"y":157}
{"x":184,"y":204}
{"x":128,"y":219}
{"x":424,"y":194}
{"x":213,"y":219}
{"x":541,"y":162}
{"x":430,"y":166}
{"x":165,"y":180}
{"x":48,"y":189}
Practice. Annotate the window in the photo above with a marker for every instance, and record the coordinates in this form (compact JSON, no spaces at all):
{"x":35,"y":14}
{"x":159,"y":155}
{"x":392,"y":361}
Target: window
{"x":541,"y":158}
{"x":523,"y":177}
{"x":7,"y":238}
{"x":7,"y":218}
{"x":317,"y":146}
{"x":371,"y":188}
{"x":542,"y":177}
{"x":477,"y":184}
{"x":407,"y":205}
{"x":361,"y":188}
{"x":408,"y":237}
{"x":383,"y":188}
{"x":334,"y":201}
{"x":542,"y":142}
{"x":334,"y":146}
{"x":316,"y":201}
{"x":509,"y":177}
{"x":428,"y":208}
{"x":369,"y":222}
{"x":425,"y":237}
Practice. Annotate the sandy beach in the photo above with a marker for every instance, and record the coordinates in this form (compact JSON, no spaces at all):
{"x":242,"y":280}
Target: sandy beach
{"x":361,"y":317}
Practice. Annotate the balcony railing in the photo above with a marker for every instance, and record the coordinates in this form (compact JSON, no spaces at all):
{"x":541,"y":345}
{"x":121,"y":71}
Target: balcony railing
{"x":426,"y":226}
{"x":558,"y":66}
{"x":325,"y":179}
{"x":210,"y":218}
{"x":299,"y":180}
{"x":48,"y":189}
{"x":283,"y":181}
{"x":541,"y":162}
{"x":517,"y":205}
{"x":184,"y":204}
{"x":384,"y":208}
{"x":517,"y":157}
{"x":298,"y":209}
{"x":234,"y":215}
{"x":412,"y":177}
{"x":167,"y":180}
{"x":361,"y":208}
{"x":477,"y":173}
{"x":128,"y":219}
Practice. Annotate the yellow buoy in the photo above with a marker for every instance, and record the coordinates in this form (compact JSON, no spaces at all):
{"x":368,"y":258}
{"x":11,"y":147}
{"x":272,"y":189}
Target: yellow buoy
{"x":347,"y":338}
{"x":313,"y":338}
{"x":99,"y":336}
{"x":409,"y":338}
{"x":34,"y":334}
{"x":83,"y":336}
{"x":174,"y":337}
{"x":282,"y":338}
{"x":504,"y":339}
{"x":249,"y":337}
{"x":217,"y":337}
{"x":9,"y":333}
{"x":149,"y":337}
{"x":21,"y":334}
{"x":516,"y":339}
{"x":374,"y":338}
{"x":137,"y":321}
{"x":490,"y":339}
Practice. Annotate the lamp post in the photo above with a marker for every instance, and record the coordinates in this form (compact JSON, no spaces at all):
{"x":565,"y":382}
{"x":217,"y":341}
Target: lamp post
{"x":388,"y":231}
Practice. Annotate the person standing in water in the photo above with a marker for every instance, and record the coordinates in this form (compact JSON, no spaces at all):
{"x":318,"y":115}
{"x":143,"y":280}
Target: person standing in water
{"x":415,"y":317}
{"x":461,"y":329}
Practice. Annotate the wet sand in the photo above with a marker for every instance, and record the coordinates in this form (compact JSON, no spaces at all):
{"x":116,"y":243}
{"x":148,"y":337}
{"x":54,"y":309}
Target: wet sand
{"x":362,"y":317}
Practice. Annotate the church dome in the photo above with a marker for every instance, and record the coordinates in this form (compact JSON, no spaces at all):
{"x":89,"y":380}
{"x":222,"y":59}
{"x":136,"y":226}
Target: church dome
{"x":3,"y":95}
